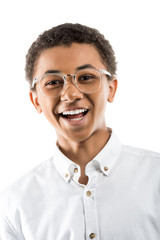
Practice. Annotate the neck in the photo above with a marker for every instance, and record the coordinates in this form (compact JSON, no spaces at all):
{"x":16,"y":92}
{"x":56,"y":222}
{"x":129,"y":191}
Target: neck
{"x":83,"y":152}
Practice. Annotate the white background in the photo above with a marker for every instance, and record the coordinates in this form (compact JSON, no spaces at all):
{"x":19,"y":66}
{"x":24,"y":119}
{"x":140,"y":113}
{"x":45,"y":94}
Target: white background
{"x":133,"y":29}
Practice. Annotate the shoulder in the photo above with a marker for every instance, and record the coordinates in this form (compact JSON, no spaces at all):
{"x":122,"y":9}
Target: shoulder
{"x":141,"y":158}
{"x":28,"y":183}
{"x":140,"y":153}
{"x":20,"y":195}
{"x":30,"y":193}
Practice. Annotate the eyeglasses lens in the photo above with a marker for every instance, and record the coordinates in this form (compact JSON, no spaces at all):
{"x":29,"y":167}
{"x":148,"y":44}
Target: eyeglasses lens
{"x":87,"y":81}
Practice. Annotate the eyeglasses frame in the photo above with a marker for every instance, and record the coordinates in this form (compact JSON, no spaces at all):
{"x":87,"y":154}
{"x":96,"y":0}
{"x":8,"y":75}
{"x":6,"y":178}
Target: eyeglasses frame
{"x":100,"y":71}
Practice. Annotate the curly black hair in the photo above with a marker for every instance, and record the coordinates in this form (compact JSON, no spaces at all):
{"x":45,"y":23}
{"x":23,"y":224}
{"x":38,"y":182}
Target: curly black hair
{"x":65,"y":35}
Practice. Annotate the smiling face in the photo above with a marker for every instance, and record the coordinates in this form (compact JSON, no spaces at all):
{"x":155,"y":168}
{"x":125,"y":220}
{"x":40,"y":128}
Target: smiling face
{"x":76,"y":116}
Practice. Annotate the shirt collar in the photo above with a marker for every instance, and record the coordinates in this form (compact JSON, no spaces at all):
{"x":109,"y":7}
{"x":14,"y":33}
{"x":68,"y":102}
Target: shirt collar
{"x":107,"y":157}
{"x":64,"y":165}
{"x":103,"y":162}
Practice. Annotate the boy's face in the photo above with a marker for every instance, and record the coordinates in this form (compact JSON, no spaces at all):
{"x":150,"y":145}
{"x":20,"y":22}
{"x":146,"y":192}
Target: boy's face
{"x":67,"y":60}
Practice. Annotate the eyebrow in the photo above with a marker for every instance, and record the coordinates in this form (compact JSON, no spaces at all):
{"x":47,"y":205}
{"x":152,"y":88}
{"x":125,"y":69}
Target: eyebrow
{"x":52,"y":71}
{"x":77,"y":69}
{"x":84,"y":66}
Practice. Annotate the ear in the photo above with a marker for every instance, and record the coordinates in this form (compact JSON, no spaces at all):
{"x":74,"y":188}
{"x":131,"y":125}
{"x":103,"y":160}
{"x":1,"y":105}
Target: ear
{"x":112,"y":90}
{"x":34,"y":99}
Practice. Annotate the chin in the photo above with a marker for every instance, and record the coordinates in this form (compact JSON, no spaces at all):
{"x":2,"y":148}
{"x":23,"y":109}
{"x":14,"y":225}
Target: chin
{"x":78,"y":137}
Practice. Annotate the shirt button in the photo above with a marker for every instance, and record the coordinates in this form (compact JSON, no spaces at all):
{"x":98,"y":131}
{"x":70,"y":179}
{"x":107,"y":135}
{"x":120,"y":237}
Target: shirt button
{"x":66,"y":175}
{"x":105,"y":168}
{"x":88,"y":193}
{"x":75,"y":170}
{"x":92,"y":235}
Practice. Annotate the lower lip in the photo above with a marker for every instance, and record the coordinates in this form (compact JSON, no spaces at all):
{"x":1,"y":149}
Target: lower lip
{"x":75,"y":121}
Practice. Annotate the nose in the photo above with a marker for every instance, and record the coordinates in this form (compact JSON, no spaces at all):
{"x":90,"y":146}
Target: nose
{"x":70,"y":93}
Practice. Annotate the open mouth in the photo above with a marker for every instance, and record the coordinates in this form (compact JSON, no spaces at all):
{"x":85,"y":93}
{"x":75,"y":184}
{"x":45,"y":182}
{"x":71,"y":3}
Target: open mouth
{"x":74,"y":115}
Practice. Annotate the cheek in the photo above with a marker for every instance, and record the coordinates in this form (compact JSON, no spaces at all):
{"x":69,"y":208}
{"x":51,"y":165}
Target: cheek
{"x":101,"y":98}
{"x":98,"y":112}
{"x":100,"y":104}
{"x":48,"y":106}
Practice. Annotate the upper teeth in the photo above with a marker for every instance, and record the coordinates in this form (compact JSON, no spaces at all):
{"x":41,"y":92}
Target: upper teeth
{"x":72,"y":112}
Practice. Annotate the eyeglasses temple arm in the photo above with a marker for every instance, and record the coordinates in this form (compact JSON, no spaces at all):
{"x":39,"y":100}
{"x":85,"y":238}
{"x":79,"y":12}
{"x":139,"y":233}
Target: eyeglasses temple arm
{"x":34,"y":82}
{"x":106,"y":72}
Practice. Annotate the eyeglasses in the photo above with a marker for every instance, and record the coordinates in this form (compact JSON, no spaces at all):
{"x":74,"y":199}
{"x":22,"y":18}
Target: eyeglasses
{"x":87,"y":80}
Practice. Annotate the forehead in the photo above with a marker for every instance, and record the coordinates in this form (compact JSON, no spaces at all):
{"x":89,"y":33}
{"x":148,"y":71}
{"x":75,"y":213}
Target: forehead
{"x":66,"y":59}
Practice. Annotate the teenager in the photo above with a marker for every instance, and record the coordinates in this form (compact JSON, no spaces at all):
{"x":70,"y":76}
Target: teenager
{"x":93,"y":187}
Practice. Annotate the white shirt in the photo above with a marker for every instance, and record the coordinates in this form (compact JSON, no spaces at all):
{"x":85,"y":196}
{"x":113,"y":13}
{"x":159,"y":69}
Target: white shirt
{"x":120,"y":202}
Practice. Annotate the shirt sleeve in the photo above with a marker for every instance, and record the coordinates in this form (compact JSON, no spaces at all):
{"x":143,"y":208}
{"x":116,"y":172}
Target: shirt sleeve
{"x":7,"y":231}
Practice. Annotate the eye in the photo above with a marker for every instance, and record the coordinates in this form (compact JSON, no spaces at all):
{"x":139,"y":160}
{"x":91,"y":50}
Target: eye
{"x":54,"y":82}
{"x":86,"y":77}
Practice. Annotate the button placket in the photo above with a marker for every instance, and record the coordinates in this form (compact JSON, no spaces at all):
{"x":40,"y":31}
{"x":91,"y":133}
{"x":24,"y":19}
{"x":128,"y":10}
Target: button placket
{"x":90,"y":209}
